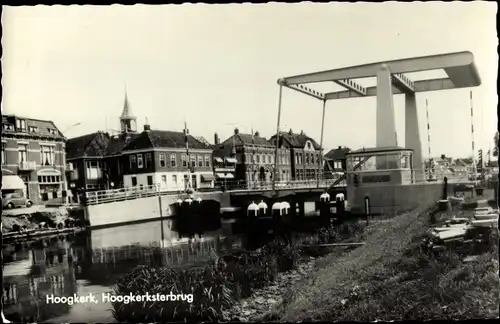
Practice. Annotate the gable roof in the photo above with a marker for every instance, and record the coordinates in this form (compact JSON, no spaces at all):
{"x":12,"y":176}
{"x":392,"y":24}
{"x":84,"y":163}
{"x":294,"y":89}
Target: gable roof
{"x":163,"y":139}
{"x":117,"y":144}
{"x":86,"y":145}
{"x":296,"y":140}
{"x":246,"y":139}
{"x":338,"y":153}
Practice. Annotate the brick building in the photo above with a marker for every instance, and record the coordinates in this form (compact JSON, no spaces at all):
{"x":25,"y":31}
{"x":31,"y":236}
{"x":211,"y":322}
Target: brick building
{"x":336,"y":161}
{"x":34,"y":150}
{"x":157,"y":157}
{"x":254,"y":158}
{"x":94,"y":160}
{"x":304,"y":154}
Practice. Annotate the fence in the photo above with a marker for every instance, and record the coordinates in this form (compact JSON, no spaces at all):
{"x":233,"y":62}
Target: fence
{"x":128,"y":193}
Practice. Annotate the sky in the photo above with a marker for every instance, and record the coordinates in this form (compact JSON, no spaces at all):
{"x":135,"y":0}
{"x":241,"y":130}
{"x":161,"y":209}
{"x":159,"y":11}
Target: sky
{"x":216,"y":67}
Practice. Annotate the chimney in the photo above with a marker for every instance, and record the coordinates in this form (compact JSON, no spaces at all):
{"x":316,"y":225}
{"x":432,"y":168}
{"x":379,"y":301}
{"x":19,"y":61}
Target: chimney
{"x":301,"y":132}
{"x":290,"y":131}
{"x":236,"y":131}
{"x":257,"y":134}
{"x":216,"y":139}
{"x":340,"y":147}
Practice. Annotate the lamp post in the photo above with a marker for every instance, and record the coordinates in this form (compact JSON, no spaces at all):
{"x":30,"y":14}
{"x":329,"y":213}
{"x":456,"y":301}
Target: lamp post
{"x":70,"y":127}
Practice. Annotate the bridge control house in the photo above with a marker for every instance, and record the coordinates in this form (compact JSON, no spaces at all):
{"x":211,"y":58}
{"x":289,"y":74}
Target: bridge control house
{"x":34,"y":150}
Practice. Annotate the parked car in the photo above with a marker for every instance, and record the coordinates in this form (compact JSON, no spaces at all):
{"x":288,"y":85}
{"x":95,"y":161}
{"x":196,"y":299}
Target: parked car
{"x":15,"y":199}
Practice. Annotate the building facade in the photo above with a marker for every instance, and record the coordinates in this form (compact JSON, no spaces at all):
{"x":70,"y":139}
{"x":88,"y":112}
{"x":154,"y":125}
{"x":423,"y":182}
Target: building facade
{"x":161,"y":158}
{"x":335,"y":161}
{"x":304,"y":154}
{"x":95,"y":160}
{"x":34,"y":150}
{"x":254,"y":157}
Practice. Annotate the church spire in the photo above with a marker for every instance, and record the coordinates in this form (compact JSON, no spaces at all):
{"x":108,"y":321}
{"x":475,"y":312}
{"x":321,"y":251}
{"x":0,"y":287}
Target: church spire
{"x":127,"y":120}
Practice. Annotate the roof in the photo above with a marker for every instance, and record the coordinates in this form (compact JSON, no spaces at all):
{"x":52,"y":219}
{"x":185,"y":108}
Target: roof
{"x":296,"y":140}
{"x":338,"y":153}
{"x":379,"y":149}
{"x":164,"y":139}
{"x":118,"y":143}
{"x":43,"y":127}
{"x":84,"y":146}
{"x":246,"y":139}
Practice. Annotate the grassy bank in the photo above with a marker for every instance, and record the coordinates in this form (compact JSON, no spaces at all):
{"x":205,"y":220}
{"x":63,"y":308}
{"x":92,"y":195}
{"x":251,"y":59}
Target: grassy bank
{"x":216,"y":287}
{"x":392,"y":278}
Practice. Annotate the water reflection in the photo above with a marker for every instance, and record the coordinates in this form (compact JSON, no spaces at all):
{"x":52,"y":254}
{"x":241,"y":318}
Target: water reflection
{"x":93,"y":262}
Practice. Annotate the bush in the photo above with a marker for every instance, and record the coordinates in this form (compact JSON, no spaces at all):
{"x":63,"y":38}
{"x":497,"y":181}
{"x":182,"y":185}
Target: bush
{"x":287,"y":256}
{"x":248,"y":271}
{"x":210,"y":289}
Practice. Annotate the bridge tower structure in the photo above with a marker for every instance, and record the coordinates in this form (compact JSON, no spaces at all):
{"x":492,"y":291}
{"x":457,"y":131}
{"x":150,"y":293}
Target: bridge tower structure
{"x":391,"y":80}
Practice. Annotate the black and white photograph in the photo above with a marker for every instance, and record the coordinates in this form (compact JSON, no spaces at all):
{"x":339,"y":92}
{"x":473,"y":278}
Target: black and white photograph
{"x":272,"y":162}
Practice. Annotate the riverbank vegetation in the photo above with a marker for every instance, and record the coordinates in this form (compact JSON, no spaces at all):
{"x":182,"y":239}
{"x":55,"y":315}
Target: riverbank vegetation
{"x":392,"y":277}
{"x":216,"y":287}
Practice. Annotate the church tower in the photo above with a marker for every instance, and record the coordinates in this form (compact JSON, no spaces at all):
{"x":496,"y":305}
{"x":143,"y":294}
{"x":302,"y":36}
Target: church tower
{"x":128,"y":122}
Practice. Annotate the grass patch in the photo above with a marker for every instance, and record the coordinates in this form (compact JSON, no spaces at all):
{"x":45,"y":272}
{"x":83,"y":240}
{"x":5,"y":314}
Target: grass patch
{"x":391,"y":278}
{"x":215,"y":287}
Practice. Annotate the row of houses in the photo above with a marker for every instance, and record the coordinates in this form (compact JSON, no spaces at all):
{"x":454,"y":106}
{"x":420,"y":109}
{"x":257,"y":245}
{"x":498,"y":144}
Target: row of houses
{"x":48,"y":163}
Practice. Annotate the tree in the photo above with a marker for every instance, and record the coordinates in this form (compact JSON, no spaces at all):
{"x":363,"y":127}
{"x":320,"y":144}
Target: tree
{"x":495,"y":145}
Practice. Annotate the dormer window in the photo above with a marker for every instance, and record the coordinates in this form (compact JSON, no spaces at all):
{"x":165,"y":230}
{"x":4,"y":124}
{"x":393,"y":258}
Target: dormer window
{"x":32,"y":129}
{"x":21,"y":125}
{"x":8,"y":127}
{"x":309,"y":145}
{"x":52,"y":131}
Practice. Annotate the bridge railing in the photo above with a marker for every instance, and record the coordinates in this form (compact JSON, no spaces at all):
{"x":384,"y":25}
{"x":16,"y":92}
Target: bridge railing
{"x":105,"y":196}
{"x":280,"y":185}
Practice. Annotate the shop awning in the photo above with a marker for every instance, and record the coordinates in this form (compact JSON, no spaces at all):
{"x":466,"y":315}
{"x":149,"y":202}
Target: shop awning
{"x":218,"y":159}
{"x":221,"y":175}
{"x":207,"y":177}
{"x":231,"y":160}
{"x":12,"y":182}
{"x":229,"y":176}
{"x":7,"y":172}
{"x":49,"y":172}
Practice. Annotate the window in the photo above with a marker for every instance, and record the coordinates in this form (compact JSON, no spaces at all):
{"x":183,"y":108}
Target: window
{"x":309,"y":145}
{"x":32,"y":129}
{"x":174,"y":179}
{"x":307,"y":158}
{"x":3,"y":153}
{"x":258,"y":158}
{"x":47,"y":155}
{"x":184,"y":160}
{"x":140,"y":164}
{"x":148,"y":160}
{"x":192,"y":158}
{"x":312,"y":158}
{"x":51,"y":131}
{"x":164,"y":180}
{"x":404,"y":161}
{"x":150,"y":180}
{"x":163,"y":160}
{"x":23,"y":153}
{"x":207,"y":161}
{"x":337,"y":165}
{"x":49,"y":184}
{"x":173,"y":160}
{"x":21,"y":125}
{"x":200,"y":161}
{"x":133,"y":162}
{"x":93,"y":169}
{"x":134,"y":181}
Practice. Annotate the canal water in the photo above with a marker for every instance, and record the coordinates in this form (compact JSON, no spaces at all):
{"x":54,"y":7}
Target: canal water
{"x":93,"y":262}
